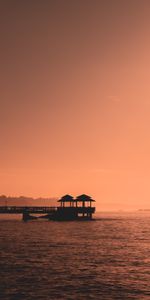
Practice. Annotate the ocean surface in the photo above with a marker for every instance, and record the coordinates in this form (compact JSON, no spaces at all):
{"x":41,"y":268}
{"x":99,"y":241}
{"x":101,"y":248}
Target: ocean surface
{"x":108,"y":258}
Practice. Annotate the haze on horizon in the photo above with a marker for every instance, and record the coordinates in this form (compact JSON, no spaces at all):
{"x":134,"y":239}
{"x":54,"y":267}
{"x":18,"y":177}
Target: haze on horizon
{"x":75,"y":100}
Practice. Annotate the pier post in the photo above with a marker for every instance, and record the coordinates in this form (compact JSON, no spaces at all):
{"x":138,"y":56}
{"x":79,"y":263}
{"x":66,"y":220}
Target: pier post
{"x":25,"y":216}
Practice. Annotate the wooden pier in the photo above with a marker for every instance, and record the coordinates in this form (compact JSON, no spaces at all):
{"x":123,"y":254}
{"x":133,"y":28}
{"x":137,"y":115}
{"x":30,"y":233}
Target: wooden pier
{"x":70,"y":209}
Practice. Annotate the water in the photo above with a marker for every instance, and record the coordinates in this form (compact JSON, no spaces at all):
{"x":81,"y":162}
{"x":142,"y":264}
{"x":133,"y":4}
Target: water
{"x":105,"y":259}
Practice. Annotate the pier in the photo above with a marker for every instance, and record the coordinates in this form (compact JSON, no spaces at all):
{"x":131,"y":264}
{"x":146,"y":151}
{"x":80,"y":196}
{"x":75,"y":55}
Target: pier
{"x":69,"y":209}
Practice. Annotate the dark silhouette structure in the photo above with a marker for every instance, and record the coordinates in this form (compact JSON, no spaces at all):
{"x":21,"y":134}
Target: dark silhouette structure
{"x":67,"y":199}
{"x":70,"y":209}
{"x":75,"y":209}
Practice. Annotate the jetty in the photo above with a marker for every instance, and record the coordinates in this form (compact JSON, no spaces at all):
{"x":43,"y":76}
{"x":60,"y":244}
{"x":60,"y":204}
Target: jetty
{"x":69,"y":209}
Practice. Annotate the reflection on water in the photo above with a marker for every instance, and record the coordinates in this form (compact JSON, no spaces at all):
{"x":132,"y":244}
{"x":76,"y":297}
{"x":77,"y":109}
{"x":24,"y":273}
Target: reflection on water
{"x":105,"y":259}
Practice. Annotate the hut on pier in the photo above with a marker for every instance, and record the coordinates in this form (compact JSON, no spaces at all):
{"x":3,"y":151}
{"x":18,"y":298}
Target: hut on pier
{"x":66,"y":201}
{"x":75,"y":209}
{"x":85,"y":200}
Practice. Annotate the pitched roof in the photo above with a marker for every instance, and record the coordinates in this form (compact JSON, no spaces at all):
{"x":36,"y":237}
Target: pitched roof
{"x":84,"y":198}
{"x":66,"y":198}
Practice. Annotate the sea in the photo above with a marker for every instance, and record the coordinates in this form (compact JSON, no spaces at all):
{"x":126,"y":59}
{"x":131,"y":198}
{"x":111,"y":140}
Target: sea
{"x":108,"y":258}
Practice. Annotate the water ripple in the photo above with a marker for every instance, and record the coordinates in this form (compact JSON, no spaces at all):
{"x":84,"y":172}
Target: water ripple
{"x":106,"y":259}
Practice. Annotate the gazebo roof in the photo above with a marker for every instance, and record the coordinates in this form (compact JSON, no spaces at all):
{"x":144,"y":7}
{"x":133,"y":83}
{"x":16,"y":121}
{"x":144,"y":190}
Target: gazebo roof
{"x":66,"y":198}
{"x":81,"y":198}
{"x":84,"y":198}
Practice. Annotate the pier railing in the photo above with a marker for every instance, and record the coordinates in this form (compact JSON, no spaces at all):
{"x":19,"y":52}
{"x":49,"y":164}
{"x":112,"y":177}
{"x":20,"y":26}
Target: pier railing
{"x":29,"y":209}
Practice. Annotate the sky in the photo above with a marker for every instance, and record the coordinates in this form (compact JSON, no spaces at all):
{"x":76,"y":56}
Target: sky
{"x":75,"y":100}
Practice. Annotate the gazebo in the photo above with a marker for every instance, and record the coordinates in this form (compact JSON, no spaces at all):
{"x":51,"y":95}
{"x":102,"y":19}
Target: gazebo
{"x":75,"y":209}
{"x":67,"y":199}
{"x":83,"y":199}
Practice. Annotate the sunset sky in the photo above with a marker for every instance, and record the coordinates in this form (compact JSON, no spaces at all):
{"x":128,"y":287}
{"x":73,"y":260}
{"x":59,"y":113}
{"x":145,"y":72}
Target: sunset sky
{"x":75,"y":100}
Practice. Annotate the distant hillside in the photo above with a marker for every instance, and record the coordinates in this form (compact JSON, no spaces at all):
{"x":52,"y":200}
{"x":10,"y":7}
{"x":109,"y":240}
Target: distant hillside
{"x":27,"y":201}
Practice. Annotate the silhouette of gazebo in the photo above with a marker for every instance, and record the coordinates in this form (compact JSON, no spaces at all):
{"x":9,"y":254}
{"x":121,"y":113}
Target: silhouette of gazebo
{"x":75,"y":209}
{"x":66,"y":199}
{"x":83,"y":199}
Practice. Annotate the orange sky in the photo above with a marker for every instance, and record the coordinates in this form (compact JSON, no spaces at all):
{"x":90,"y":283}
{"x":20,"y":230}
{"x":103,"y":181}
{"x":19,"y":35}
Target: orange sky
{"x":75,"y":100}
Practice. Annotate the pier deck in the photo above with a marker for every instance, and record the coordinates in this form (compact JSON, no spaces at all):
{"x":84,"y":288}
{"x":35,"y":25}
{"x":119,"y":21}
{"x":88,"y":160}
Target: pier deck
{"x":29,"y":209}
